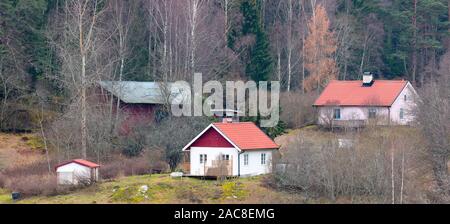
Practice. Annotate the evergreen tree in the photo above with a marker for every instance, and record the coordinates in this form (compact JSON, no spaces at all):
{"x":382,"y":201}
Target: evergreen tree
{"x":260,"y":66}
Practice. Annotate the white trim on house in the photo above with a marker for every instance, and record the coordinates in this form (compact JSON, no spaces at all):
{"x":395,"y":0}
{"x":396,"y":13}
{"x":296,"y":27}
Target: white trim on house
{"x":206,"y":129}
{"x":238,"y":166}
{"x":385,"y":115}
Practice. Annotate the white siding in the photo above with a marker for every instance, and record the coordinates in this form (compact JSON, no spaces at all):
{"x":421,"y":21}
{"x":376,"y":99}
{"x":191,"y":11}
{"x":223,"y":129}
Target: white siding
{"x":408,"y":106}
{"x":325,"y":114}
{"x":70,"y":173}
{"x":254,"y":166}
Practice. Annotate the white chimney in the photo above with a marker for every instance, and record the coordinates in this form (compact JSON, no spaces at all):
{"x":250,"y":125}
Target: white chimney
{"x":367,"y":79}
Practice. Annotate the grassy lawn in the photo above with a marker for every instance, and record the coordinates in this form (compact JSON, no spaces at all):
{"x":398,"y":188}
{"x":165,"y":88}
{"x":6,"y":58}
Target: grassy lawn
{"x":5,"y":196}
{"x":163,"y":189}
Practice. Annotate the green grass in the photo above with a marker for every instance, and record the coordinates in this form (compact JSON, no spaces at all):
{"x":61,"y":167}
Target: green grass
{"x":5,"y":197}
{"x":35,"y":142}
{"x":163,"y":189}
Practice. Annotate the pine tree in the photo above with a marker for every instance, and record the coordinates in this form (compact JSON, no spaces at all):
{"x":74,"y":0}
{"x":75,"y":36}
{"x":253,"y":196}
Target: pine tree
{"x":260,"y":65}
{"x":249,"y":11}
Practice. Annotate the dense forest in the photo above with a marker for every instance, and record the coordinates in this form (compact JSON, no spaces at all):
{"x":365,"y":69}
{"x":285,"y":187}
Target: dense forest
{"x":224,"y":39}
{"x":52,"y":52}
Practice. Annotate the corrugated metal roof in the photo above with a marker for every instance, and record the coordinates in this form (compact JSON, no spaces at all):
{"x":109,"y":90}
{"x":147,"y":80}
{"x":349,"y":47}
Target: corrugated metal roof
{"x":143,"y":92}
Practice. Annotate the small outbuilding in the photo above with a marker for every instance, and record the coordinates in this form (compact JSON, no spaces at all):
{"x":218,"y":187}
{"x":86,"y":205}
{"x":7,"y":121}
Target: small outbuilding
{"x":76,"y":171}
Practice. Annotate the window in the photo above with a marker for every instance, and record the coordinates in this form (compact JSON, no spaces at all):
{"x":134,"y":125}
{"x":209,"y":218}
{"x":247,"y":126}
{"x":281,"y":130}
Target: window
{"x":337,"y":113}
{"x":402,"y":113}
{"x":405,"y":97}
{"x":372,"y":112}
{"x":203,"y":158}
{"x":263,"y":158}
{"x":225,"y":157}
{"x":245,"y":159}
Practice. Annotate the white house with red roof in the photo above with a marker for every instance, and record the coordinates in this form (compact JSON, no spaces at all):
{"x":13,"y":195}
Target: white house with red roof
{"x":75,"y":171}
{"x":355,"y":103}
{"x":230,"y":149}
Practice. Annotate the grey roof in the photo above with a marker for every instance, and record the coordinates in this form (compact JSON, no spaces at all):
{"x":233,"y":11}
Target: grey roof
{"x":144,"y":92}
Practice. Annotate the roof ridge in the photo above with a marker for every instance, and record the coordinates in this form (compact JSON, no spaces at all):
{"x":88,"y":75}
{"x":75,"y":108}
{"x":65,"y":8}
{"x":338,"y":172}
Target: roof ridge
{"x":375,"y":80}
{"x":351,"y":93}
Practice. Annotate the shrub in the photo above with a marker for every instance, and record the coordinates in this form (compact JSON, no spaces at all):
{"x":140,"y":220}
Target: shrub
{"x":29,"y":180}
{"x":296,"y":109}
{"x":31,"y":185}
{"x":132,"y":148}
{"x":122,"y":166}
{"x":317,"y":166}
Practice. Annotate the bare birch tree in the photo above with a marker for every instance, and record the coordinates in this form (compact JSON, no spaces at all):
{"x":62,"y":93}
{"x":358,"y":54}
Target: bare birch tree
{"x":78,"y":43}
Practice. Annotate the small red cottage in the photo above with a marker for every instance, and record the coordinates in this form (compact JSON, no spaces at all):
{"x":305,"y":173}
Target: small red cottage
{"x":230,"y":149}
{"x":75,"y":171}
{"x":138,"y":101}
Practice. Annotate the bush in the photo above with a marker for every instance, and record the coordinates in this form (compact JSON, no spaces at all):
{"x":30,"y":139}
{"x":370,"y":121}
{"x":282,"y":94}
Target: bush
{"x":121,"y":166}
{"x":31,"y":185}
{"x":317,"y":166}
{"x":132,"y":148}
{"x":30,"y":180}
{"x":296,"y":109}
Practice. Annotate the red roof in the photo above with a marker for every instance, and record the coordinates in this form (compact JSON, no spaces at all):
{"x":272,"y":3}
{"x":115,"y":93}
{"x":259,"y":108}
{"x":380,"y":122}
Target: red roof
{"x":353,"y":93}
{"x":81,"y":162}
{"x":243,"y":135}
{"x":246,"y":135}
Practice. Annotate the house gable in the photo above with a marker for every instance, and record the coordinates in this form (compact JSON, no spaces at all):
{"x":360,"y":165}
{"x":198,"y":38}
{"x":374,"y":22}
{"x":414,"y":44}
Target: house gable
{"x":211,"y":138}
{"x":407,"y":105}
{"x":211,"y":126}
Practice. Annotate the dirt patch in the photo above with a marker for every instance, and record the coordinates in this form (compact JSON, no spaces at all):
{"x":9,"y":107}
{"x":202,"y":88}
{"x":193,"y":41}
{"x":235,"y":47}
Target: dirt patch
{"x":14,"y":150}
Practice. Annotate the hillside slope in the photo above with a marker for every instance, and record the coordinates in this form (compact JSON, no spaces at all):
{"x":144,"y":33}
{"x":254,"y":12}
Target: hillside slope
{"x":18,"y":149}
{"x":160,"y":188}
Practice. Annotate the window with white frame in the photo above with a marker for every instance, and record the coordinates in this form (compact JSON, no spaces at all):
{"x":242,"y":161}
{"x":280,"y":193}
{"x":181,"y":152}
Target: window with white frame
{"x":405,"y":98}
{"x":225,"y":157}
{"x":263,"y":158}
{"x":402,"y":113}
{"x":203,"y":158}
{"x":245,"y":159}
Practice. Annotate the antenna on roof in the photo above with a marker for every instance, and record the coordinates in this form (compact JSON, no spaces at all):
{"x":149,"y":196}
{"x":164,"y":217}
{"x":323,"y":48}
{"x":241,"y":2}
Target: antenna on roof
{"x":227,"y":115}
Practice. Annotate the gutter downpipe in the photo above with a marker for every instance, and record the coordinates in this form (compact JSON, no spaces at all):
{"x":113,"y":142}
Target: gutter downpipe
{"x":239,"y":163}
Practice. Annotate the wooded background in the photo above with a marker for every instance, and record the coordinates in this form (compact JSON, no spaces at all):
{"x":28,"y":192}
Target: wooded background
{"x":224,"y":39}
{"x":52,"y":52}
